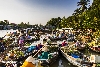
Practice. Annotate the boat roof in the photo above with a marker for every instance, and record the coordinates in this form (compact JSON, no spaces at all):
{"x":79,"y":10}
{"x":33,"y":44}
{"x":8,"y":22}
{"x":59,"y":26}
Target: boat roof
{"x":67,"y":28}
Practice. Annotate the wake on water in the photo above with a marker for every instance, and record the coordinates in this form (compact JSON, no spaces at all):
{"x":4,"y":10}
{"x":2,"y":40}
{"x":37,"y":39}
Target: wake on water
{"x":60,"y":63}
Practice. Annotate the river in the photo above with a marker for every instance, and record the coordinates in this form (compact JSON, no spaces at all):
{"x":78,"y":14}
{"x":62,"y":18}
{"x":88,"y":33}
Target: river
{"x":61,"y":59}
{"x":3,"y":32}
{"x":65,"y":63}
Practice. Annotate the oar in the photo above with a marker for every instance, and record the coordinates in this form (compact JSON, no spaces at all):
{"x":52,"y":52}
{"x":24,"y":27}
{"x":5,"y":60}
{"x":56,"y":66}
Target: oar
{"x":38,"y":51}
{"x":3,"y":36}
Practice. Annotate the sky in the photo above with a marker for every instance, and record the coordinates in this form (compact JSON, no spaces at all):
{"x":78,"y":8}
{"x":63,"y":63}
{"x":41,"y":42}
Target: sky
{"x":35,"y":11}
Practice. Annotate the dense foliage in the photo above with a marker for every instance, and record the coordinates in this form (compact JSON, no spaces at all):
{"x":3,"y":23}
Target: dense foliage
{"x":85,"y":16}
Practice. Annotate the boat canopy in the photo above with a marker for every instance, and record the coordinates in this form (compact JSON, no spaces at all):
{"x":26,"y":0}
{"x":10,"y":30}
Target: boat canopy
{"x":66,"y":29}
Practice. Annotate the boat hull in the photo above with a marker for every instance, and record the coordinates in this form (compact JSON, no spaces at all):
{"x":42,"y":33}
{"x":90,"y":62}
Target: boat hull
{"x":72,"y":60}
{"x":47,"y":62}
{"x":95,"y":49}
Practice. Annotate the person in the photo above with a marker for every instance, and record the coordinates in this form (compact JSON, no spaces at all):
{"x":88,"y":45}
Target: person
{"x":10,"y":55}
{"x":39,"y":45}
{"x":44,"y":54}
{"x":48,"y":40}
{"x":64,"y":43}
{"x":28,"y":36}
{"x":63,"y":34}
{"x":77,"y":43}
{"x":21,"y":41}
{"x":2,"y":45}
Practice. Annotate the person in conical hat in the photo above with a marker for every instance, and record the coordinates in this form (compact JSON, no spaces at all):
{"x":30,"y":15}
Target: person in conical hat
{"x":44,"y":54}
{"x":29,"y":62}
{"x":45,"y":49}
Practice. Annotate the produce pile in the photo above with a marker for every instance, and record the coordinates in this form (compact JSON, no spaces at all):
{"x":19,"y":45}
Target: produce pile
{"x":16,"y":53}
{"x":53,"y":49}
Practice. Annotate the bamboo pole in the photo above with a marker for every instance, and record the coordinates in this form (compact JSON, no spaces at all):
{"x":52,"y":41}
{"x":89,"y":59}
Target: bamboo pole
{"x":38,"y":51}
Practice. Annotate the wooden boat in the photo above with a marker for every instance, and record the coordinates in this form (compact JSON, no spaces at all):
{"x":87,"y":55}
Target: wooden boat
{"x":52,"y":56}
{"x":20,"y":57}
{"x":81,"y":46}
{"x":49,"y":61}
{"x":94,"y":46}
{"x":32,"y":39}
{"x":75,"y":57}
{"x":56,"y":39}
{"x":23,"y":53}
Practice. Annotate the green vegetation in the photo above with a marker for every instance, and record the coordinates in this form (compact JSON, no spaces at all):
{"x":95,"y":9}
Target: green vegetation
{"x":85,"y":16}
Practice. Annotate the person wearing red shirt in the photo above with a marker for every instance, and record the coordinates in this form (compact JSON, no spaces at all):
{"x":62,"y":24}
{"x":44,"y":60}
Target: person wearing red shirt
{"x":64,"y":43}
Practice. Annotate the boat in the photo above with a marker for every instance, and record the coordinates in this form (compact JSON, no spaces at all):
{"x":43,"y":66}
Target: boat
{"x":56,"y":39}
{"x":75,"y":57}
{"x":19,"y":55}
{"x":94,"y":46}
{"x":52,"y":56}
{"x":80,"y":45}
{"x":22,"y":53}
{"x":32,"y":39}
{"x":43,"y":62}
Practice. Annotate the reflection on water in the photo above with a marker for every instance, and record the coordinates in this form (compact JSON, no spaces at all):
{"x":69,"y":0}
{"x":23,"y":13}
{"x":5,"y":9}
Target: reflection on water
{"x":64,"y":62}
{"x":60,"y":63}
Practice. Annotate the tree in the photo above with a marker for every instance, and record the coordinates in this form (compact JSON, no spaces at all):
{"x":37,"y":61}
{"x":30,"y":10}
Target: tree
{"x":54,"y":22}
{"x":6,"y":21}
{"x":79,"y":13}
{"x":2,"y":23}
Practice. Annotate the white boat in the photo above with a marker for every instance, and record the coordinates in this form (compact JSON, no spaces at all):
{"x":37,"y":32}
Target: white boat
{"x":77,"y":61}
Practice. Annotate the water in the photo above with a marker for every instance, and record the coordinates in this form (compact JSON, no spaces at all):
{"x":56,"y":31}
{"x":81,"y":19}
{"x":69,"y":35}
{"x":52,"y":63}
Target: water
{"x":61,"y":59}
{"x":90,"y":52}
{"x":4,"y":32}
{"x":64,"y":62}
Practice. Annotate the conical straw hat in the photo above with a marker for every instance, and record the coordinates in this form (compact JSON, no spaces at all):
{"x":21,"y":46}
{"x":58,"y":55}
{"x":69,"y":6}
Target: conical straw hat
{"x":31,"y":59}
{"x":45,"y":49}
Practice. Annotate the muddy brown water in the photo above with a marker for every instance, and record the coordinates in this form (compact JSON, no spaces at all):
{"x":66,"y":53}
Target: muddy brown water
{"x":65,"y":63}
